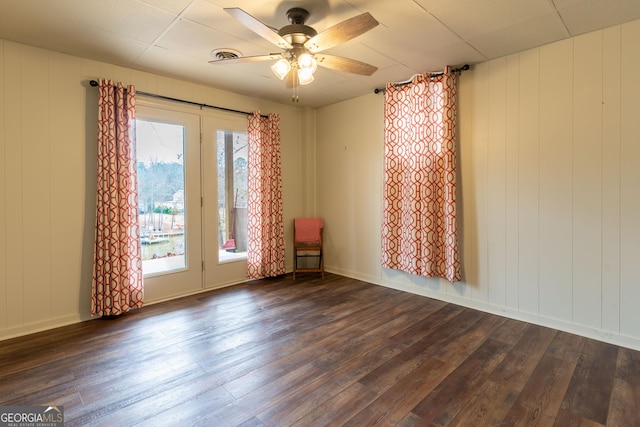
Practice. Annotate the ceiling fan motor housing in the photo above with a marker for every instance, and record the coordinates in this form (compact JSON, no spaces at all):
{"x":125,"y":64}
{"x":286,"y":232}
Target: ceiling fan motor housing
{"x":297,"y":15}
{"x":297,"y":32}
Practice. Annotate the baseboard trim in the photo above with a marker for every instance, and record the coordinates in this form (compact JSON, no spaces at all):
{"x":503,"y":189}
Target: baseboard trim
{"x":36,"y":327}
{"x":561,"y":325}
{"x":49,"y":324}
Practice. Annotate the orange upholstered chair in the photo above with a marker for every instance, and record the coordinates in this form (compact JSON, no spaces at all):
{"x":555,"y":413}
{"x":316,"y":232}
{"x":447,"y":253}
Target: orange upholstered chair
{"x":307,"y":243}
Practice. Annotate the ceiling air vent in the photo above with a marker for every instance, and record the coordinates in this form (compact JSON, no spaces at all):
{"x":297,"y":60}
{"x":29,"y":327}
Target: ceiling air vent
{"x":225,"y":53}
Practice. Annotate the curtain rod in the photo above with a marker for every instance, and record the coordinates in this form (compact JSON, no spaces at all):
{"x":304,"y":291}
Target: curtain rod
{"x":464,"y":67}
{"x":94,"y":83}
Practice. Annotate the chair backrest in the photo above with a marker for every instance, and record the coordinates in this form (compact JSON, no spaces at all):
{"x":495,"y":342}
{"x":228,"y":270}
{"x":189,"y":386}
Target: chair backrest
{"x":307,"y":230}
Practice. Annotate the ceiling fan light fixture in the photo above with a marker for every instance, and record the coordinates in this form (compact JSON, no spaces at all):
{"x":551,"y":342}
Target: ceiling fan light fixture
{"x":307,"y":62}
{"x":305,"y":76}
{"x":281,"y":68}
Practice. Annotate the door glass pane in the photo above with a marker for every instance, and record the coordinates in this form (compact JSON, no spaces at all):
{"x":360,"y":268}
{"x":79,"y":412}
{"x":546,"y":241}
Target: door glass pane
{"x":232,"y":154}
{"x":161,"y":195}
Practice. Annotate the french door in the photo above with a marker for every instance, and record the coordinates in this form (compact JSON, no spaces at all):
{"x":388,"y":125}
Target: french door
{"x":169,"y":200}
{"x":224,"y":174}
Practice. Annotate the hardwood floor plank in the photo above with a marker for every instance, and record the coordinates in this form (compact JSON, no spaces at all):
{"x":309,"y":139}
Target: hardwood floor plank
{"x":589,"y":391}
{"x":520,"y":362}
{"x":510,"y":331}
{"x":315,"y":352}
{"x":566,"y":346}
{"x":327,"y":348}
{"x":431,"y":338}
{"x":407,"y":378}
{"x":344,"y":366}
{"x":487,"y":406}
{"x":624,"y":407}
{"x":441,"y":405}
{"x":124,"y":397}
{"x":253,"y":422}
{"x":474,"y":337}
{"x":393,"y":405}
{"x":432,"y":323}
{"x":310,"y":395}
{"x":421,"y":377}
{"x":31,"y":381}
{"x":541,"y":397}
{"x":234,"y":364}
{"x":387,"y":374}
{"x":339,"y":408}
{"x":566,"y":418}
{"x":410,"y":420}
{"x":178,"y":405}
{"x":300,"y":335}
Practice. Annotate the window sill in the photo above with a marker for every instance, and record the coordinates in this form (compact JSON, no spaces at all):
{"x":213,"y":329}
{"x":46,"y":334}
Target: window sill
{"x":226,"y":257}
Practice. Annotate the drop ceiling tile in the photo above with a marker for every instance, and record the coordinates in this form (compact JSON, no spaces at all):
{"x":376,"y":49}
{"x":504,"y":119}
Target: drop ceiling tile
{"x":561,"y":4}
{"x":173,"y":6}
{"x":436,"y":57}
{"x":471,"y":18}
{"x":206,"y":13}
{"x":51,"y":29}
{"x":537,"y":32}
{"x":174,"y":64}
{"x":196,"y":40}
{"x":274,"y":14}
{"x":362,"y":52}
{"x":393,"y":74}
{"x":32,"y":22}
{"x":106,"y":46}
{"x":327,"y":77}
{"x":316,"y":97}
{"x":588,"y":15}
{"x":260,"y":69}
{"x":135,"y":20}
{"x":203,"y":12}
{"x":28,"y":22}
{"x":389,"y":13}
{"x":413,"y":38}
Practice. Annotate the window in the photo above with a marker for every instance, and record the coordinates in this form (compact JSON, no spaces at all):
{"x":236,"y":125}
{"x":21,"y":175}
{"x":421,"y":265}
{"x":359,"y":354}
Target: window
{"x":161,"y":195}
{"x":232,"y":153}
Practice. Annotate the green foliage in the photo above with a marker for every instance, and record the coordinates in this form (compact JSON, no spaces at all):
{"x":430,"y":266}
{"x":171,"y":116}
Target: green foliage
{"x":157,"y":183}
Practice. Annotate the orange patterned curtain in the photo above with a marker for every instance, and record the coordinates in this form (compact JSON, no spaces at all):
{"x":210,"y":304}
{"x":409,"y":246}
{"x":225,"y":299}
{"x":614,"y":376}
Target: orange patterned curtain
{"x":265,"y":228}
{"x":419,"y":233}
{"x":117,"y":269}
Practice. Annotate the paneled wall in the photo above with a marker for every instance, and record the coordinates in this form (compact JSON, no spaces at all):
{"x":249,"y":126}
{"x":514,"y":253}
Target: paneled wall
{"x":48,"y":131}
{"x":549,"y":188}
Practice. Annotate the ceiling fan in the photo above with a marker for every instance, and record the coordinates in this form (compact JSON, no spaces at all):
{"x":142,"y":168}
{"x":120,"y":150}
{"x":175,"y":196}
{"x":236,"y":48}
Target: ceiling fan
{"x":303,"y":45}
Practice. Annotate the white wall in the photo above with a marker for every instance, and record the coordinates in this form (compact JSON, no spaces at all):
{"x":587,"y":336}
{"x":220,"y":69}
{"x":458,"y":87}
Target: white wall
{"x":48,"y":131}
{"x":549,"y":159}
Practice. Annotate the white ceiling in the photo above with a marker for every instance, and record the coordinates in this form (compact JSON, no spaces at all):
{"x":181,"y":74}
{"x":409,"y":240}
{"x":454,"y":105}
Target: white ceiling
{"x":176,"y":37}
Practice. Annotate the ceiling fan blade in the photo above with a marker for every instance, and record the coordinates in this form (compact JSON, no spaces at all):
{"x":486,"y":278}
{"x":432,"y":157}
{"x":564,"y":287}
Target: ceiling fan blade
{"x":345,"y":64}
{"x":258,"y":27}
{"x":240,"y":59}
{"x":341,"y":32}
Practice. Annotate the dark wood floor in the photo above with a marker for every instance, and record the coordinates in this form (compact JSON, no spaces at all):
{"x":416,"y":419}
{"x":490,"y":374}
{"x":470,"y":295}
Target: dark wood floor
{"x":319,"y":352}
